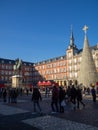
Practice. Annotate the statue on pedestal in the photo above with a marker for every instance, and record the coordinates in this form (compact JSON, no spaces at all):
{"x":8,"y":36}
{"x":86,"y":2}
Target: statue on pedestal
{"x":17,"y":77}
{"x":17,"y":66}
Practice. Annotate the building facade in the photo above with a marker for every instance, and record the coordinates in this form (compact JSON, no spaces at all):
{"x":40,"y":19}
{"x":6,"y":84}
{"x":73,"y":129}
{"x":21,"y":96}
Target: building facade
{"x":64,"y":69}
{"x":7,"y":71}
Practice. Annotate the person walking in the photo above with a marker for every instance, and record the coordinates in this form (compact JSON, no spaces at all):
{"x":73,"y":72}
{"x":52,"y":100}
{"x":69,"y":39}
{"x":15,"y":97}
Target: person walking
{"x":4,"y":95}
{"x":93,"y":91}
{"x":9,"y":95}
{"x":27,"y":91}
{"x":68,"y":94}
{"x":73,"y":96}
{"x":36,"y":97}
{"x":61,"y":98}
{"x":55,"y":98}
{"x":79,"y":97}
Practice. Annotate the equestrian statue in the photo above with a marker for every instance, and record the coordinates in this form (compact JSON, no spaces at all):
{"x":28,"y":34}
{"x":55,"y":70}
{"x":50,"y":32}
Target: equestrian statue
{"x":17,"y":66}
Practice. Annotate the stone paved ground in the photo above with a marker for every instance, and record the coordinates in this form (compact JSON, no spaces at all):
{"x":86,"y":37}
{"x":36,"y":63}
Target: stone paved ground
{"x":54,"y":123}
{"x":19,"y":116}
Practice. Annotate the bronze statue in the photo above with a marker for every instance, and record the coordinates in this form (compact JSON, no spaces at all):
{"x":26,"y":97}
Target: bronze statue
{"x":17,"y":66}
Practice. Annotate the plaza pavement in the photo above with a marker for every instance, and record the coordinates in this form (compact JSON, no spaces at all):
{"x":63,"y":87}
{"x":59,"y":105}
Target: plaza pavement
{"x":20,"y":116}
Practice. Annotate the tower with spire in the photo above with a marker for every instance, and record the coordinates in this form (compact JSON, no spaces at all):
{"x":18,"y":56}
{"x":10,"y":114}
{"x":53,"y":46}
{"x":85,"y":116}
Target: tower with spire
{"x":71,"y":51}
{"x":87,"y":74}
{"x":72,"y":44}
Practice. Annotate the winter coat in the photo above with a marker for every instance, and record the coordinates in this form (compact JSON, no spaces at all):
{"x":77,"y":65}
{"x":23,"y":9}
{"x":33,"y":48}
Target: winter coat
{"x":55,"y":94}
{"x":61,"y":94}
{"x":36,"y":94}
{"x":79,"y":94}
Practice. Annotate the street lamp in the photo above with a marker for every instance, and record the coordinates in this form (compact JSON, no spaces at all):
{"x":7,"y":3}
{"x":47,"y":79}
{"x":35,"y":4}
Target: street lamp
{"x":26,"y":78}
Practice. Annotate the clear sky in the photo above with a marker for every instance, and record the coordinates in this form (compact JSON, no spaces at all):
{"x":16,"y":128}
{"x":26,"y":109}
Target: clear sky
{"x":37,"y":30}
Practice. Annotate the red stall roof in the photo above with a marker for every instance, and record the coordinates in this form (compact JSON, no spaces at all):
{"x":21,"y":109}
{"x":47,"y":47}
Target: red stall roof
{"x":46,"y":83}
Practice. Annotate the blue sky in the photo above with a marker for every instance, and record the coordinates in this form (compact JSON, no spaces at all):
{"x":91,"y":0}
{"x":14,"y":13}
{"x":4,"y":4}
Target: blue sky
{"x":37,"y":30}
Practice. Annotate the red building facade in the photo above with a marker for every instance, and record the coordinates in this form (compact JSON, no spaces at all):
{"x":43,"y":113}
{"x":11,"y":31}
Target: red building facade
{"x":7,"y":71}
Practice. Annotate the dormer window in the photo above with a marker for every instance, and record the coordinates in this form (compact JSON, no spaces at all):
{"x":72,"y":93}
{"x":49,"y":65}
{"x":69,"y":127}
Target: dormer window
{"x":61,"y":57}
{"x":2,"y":61}
{"x":9,"y":62}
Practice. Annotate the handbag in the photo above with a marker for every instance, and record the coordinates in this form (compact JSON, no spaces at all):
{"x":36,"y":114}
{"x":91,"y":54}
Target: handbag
{"x":63,"y":104}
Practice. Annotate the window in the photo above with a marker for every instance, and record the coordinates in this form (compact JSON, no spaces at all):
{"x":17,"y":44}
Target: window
{"x":75,"y":60}
{"x":10,"y":66}
{"x":10,"y":62}
{"x":2,"y":61}
{"x":61,"y":57}
{"x":2,"y":78}
{"x":54,"y":70}
{"x":70,"y":62}
{"x":58,"y":70}
{"x":64,"y":69}
{"x":75,"y":67}
{"x":10,"y":72}
{"x":54,"y":65}
{"x":6,"y":78}
{"x":76,"y":75}
{"x":70,"y":75}
{"x":7,"y":67}
{"x":60,"y":63}
{"x":70,"y":68}
{"x":55,"y":77}
{"x":3,"y":66}
{"x":64,"y":63}
{"x":69,"y":54}
{"x":2,"y":72}
{"x":43,"y":67}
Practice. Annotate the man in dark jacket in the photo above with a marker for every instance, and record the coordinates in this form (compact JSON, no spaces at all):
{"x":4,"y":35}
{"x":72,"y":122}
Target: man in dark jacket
{"x":79,"y":97}
{"x":55,"y":97}
{"x":61,"y":98}
{"x":93,"y":91}
{"x":73,"y":95}
{"x":36,"y":96}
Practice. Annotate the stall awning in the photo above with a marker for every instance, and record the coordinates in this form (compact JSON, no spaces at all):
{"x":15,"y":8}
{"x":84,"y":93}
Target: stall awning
{"x":46,"y":83}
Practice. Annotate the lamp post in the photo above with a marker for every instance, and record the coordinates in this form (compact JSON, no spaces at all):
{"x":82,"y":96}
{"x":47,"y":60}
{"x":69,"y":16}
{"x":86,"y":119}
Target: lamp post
{"x":26,"y":79}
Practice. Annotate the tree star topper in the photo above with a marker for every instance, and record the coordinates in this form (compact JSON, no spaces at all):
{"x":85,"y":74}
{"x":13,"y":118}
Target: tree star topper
{"x":85,"y":28}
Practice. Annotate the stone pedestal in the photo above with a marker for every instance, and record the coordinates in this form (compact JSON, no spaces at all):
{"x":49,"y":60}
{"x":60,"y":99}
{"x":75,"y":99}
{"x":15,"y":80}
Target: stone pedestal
{"x":16,"y":81}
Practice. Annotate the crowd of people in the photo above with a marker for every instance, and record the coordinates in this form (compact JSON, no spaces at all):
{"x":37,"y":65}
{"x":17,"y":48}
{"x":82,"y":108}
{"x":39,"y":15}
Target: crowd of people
{"x":60,"y":97}
{"x":10,"y":94}
{"x":70,"y":95}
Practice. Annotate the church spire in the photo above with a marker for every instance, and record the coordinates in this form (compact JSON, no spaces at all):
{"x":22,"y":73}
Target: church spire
{"x":71,"y":38}
{"x":71,"y":44}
